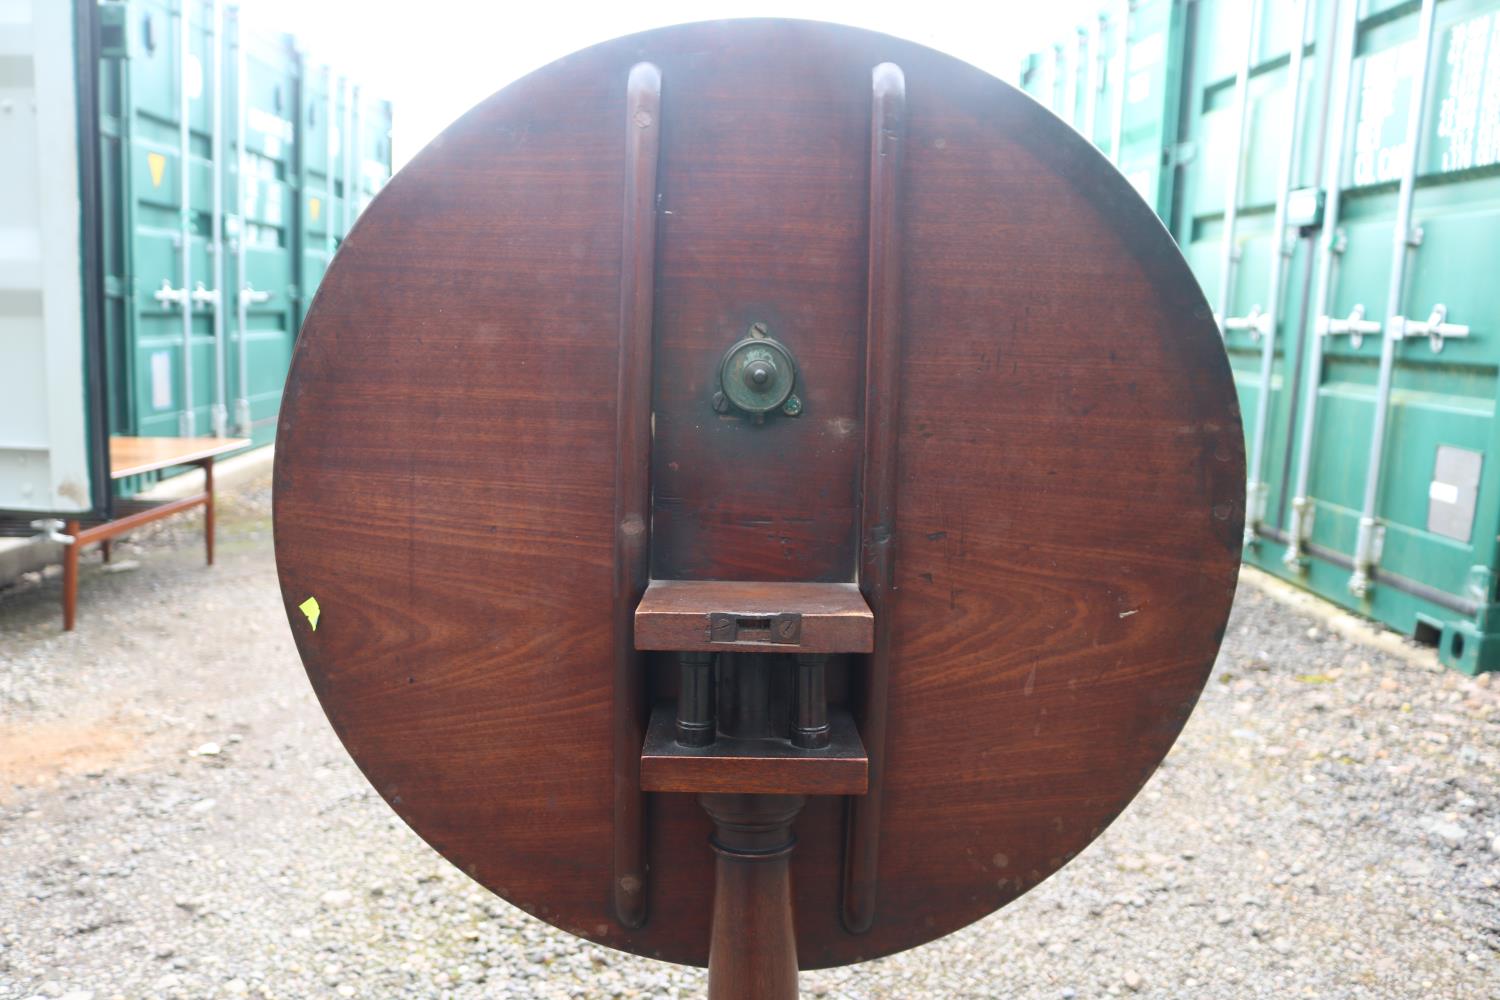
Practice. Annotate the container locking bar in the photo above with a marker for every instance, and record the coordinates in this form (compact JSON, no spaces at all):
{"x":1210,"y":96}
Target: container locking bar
{"x":1334,"y":243}
{"x":1368,"y":541}
{"x":248,"y":296}
{"x":1229,"y":248}
{"x":1262,"y":324}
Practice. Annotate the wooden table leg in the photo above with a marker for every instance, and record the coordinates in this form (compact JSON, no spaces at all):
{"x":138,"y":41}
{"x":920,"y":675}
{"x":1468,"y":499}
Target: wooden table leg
{"x":70,"y":577}
{"x":105,"y":549}
{"x":208,"y":508}
{"x":752,"y":953}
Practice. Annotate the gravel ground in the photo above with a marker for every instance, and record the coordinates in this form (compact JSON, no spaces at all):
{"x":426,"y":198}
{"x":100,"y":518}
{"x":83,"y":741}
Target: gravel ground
{"x":177,"y":820}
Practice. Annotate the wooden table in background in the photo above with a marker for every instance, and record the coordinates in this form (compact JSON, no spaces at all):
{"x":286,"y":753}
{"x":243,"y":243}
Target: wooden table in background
{"x":133,"y":456}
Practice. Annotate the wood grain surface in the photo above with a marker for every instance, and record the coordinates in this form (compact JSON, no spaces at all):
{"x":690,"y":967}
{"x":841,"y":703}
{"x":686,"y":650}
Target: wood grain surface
{"x":131,"y":456}
{"x":1068,"y":504}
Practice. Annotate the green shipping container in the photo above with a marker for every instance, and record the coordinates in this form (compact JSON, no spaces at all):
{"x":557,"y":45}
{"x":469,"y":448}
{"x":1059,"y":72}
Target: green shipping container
{"x":231,"y":171}
{"x":1124,"y":99}
{"x":346,"y":160}
{"x":1333,"y":176}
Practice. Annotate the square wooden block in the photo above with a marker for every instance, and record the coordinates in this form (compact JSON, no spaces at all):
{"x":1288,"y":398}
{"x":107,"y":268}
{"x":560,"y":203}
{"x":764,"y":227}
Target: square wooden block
{"x":733,"y":616}
{"x":773,"y":767}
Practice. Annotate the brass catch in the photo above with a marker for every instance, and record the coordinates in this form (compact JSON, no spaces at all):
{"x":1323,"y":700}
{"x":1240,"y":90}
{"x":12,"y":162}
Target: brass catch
{"x":783,"y":629}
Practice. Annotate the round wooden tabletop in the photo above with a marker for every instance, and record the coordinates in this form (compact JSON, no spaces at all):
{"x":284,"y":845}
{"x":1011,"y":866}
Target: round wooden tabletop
{"x":1069,"y":503}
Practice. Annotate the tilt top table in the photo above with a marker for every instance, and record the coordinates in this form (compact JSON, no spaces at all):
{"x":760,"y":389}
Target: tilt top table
{"x":758,"y":494}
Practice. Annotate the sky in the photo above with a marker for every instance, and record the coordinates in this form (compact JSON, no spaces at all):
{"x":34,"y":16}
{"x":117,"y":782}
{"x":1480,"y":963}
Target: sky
{"x":435,"y":59}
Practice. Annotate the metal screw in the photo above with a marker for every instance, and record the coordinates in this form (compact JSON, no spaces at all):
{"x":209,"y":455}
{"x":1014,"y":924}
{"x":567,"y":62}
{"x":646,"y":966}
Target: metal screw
{"x":792,"y":407}
{"x":721,"y":404}
{"x":757,"y":329}
{"x":758,"y":373}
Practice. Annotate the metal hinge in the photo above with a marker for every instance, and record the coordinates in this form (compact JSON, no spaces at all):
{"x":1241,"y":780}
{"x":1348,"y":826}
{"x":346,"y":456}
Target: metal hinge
{"x":1369,"y":545}
{"x":1480,"y":584}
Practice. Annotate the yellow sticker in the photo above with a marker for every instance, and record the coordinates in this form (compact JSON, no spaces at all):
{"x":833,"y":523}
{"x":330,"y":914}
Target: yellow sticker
{"x":309,"y":608}
{"x":158,"y":165}
{"x":314,"y":208}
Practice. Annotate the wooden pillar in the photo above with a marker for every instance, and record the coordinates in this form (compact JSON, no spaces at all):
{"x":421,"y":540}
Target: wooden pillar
{"x":752,"y":953}
{"x":208,"y":508}
{"x":70,"y":576}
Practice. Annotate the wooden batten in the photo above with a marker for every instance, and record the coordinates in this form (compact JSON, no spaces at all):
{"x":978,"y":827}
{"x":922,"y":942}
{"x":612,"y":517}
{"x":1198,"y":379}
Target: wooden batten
{"x":877,"y":528}
{"x":633,"y":481}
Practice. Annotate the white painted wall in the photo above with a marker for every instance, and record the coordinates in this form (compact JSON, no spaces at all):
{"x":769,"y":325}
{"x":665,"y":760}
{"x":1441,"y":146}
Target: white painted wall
{"x":43,"y":422}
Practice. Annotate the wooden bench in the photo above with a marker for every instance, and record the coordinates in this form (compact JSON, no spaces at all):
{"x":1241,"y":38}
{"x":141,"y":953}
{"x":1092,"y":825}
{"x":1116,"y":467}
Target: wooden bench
{"x":133,"y":456}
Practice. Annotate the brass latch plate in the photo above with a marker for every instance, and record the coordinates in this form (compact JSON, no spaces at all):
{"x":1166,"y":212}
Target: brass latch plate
{"x":729,"y":627}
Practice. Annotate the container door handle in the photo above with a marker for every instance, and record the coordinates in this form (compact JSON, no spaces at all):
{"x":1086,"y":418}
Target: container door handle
{"x":1355,"y":325}
{"x":1258,"y":323}
{"x":1435,"y":328}
{"x":169,"y":296}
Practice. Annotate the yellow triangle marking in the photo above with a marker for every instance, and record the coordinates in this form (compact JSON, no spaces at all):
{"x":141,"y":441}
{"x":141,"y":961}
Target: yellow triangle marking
{"x":158,"y":165}
{"x":310,"y":608}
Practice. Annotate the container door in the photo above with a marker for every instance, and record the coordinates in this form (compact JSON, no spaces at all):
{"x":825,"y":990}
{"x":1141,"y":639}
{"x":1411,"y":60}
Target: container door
{"x":1437,"y":488}
{"x":1117,"y":81}
{"x":1154,"y":52}
{"x":159,"y":114}
{"x":374,"y":154}
{"x":318,"y":204}
{"x":263,"y":249}
{"x":1098,"y":79}
{"x":48,"y":461}
{"x":1262,"y":96}
{"x":1033,"y":77}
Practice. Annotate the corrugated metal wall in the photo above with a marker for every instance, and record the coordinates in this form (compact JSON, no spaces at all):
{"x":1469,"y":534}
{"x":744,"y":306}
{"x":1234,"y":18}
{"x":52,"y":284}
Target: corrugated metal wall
{"x":235,"y":168}
{"x":48,"y":257}
{"x":1339,"y":200}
